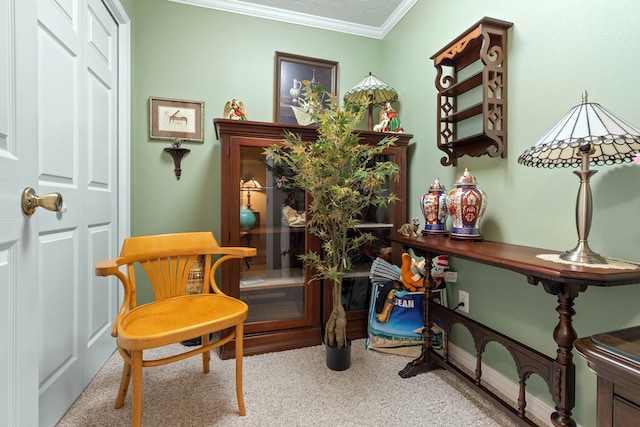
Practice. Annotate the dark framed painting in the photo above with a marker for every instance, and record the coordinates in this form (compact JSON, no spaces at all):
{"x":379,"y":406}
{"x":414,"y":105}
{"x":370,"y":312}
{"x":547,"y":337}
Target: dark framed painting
{"x":176,"y":119}
{"x":290,"y":71}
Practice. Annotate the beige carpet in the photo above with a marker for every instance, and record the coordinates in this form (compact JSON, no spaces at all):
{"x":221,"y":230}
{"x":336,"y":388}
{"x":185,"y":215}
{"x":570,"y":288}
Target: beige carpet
{"x":290,"y":388}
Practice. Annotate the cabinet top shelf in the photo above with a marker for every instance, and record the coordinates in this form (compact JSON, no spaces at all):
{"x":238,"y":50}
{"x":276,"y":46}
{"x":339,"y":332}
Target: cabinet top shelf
{"x":469,"y":40}
{"x":269,"y":129}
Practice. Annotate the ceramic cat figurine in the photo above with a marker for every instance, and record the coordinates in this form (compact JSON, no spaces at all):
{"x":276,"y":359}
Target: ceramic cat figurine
{"x":410,"y":230}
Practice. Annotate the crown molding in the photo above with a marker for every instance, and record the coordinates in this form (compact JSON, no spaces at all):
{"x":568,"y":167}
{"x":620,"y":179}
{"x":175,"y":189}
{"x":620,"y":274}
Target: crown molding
{"x":308,"y":20}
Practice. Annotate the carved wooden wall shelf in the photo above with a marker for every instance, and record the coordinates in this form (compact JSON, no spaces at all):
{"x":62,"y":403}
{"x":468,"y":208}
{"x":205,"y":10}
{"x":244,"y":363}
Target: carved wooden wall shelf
{"x":472,"y":92}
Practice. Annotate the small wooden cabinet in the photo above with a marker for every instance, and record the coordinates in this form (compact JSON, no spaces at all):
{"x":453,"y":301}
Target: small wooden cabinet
{"x":286,"y":308}
{"x":471,"y":79}
{"x":615,"y":358}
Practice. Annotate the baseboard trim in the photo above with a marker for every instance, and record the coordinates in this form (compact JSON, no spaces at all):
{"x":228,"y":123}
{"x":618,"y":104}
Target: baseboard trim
{"x":535,"y":406}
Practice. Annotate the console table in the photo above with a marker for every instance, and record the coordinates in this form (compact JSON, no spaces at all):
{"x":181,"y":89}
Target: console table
{"x":565,"y":281}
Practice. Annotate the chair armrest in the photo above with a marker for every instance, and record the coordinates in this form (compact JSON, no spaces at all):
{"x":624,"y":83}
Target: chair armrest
{"x":238,"y":251}
{"x":228,"y":252}
{"x":106,"y":267}
{"x":110,"y":267}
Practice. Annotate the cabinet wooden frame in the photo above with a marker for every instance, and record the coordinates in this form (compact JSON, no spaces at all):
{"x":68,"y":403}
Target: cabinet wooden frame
{"x":277,"y":335}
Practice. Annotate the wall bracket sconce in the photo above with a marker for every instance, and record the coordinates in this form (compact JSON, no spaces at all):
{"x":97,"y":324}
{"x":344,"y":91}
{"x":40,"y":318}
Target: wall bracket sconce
{"x":177,"y":153}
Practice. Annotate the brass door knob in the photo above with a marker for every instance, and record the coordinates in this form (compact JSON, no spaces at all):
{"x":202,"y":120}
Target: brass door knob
{"x":30,"y":201}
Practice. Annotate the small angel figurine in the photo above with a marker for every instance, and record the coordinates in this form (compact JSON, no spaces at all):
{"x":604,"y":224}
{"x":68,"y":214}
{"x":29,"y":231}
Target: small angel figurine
{"x":234,"y":110}
{"x":389,"y":120}
{"x":394,"y":119}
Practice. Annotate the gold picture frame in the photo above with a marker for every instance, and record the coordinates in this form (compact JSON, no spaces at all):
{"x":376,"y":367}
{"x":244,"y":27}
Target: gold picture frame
{"x":176,"y":119}
{"x":290,"y":71}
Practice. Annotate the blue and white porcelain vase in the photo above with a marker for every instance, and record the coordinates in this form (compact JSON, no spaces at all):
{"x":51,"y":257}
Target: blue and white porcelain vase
{"x":466,"y":204}
{"x":434,"y":209}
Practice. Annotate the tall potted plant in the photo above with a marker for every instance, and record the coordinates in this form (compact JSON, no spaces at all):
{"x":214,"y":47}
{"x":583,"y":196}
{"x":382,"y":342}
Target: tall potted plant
{"x":343,"y":179}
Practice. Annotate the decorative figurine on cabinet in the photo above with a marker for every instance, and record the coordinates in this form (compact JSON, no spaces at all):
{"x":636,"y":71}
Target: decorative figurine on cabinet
{"x":389,"y":120}
{"x":292,"y":217}
{"x":234,"y":110}
{"x":410,"y":229}
{"x":384,"y":122}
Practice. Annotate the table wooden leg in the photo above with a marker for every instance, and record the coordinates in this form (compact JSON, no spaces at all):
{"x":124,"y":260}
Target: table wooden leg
{"x":424,"y":362}
{"x":564,"y":383}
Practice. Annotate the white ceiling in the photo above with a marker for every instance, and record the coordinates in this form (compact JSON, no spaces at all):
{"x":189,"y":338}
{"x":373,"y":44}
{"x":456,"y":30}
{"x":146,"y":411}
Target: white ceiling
{"x":367,"y":18}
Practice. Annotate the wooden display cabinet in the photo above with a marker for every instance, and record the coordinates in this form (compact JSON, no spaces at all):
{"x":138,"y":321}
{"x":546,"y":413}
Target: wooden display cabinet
{"x":286,"y":308}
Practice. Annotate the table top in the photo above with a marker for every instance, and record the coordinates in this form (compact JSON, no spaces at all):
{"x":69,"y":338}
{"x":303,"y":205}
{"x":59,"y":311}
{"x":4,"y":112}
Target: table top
{"x":614,"y":356}
{"x":623,"y":342}
{"x":522,"y":259}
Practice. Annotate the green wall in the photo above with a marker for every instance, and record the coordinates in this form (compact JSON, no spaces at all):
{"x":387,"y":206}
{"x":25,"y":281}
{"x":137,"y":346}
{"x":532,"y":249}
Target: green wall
{"x":188,"y":52}
{"x":556,"y":51}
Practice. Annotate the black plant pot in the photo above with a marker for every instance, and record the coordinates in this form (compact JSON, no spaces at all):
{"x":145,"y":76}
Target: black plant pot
{"x":338,"y":359}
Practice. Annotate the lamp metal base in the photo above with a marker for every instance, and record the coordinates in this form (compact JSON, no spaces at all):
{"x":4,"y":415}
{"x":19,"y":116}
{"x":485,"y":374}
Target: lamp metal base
{"x":582,"y":253}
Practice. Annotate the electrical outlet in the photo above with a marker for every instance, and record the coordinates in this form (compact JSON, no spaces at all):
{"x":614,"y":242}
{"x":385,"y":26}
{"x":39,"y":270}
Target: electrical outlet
{"x":463,"y":297}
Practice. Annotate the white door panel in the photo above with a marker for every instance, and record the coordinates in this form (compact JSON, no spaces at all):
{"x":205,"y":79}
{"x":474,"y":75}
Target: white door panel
{"x":10,"y":387}
{"x":57,"y":304}
{"x":59,"y":132}
{"x":18,"y":235}
{"x":60,"y":356}
{"x":61,"y":255}
{"x":78,"y":113}
{"x":101,"y":185}
{"x":100,"y":302}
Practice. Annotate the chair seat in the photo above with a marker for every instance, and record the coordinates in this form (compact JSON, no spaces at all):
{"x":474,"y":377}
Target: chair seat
{"x":177,"y":319}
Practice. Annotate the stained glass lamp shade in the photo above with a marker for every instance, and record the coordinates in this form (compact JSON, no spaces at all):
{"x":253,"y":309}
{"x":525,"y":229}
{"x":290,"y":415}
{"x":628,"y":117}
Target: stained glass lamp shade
{"x":587,"y":135}
{"x":375,"y":91}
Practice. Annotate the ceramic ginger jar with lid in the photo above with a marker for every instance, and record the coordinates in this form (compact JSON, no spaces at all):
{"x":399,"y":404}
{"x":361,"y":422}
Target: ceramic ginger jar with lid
{"x":466,"y":205}
{"x":434,"y":208}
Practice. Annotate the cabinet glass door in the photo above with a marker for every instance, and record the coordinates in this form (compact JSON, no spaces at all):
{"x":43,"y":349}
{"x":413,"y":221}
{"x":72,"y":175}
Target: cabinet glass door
{"x":378,"y":221}
{"x":271,"y":220}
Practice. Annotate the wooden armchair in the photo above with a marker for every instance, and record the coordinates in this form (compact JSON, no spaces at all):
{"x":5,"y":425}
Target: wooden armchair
{"x":174,"y":316}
